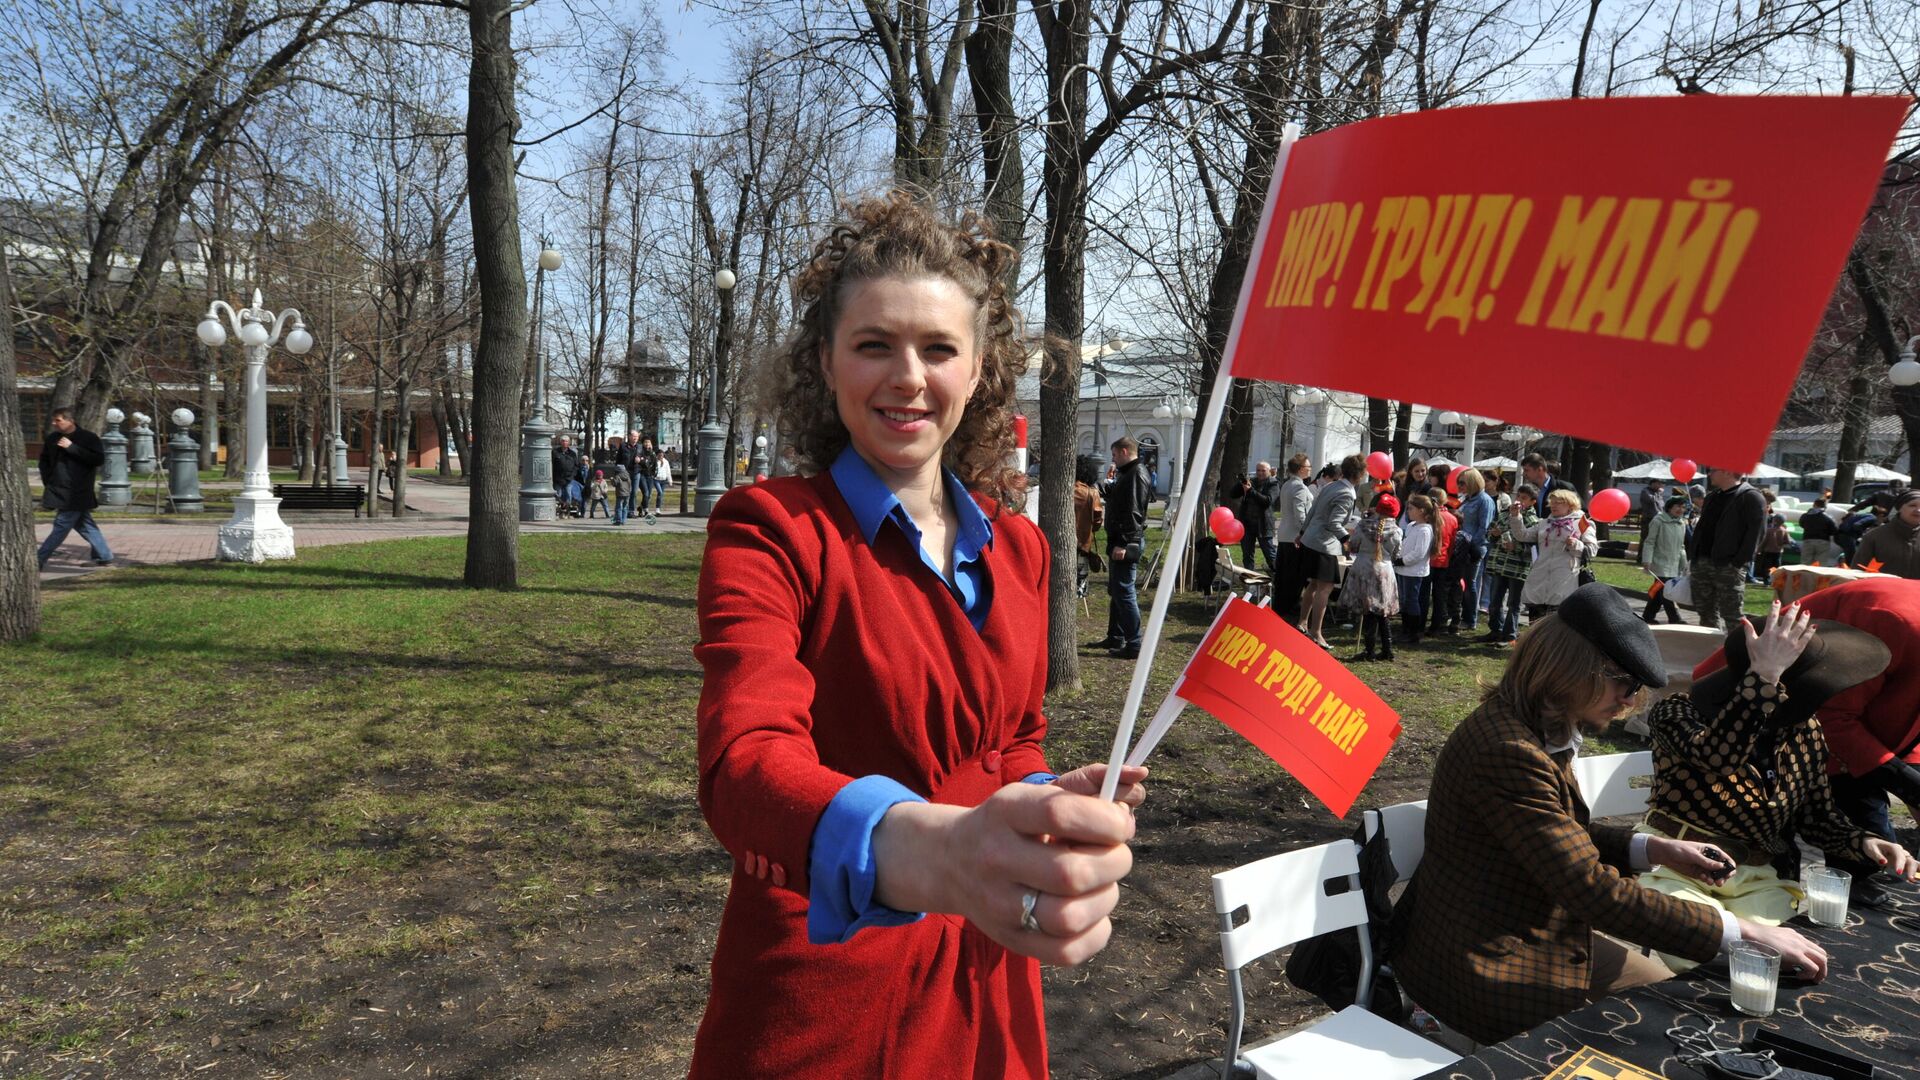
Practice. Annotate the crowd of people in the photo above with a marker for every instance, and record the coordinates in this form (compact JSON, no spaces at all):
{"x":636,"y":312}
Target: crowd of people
{"x":625,"y":478}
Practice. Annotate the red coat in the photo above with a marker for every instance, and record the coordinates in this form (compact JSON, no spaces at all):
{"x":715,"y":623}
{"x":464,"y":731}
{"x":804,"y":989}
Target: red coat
{"x":1871,"y":724}
{"x":1443,"y":536}
{"x":827,"y":660}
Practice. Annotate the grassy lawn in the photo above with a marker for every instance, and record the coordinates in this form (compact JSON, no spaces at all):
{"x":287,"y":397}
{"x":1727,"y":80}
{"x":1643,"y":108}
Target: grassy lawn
{"x":1629,"y":575}
{"x":339,"y":817}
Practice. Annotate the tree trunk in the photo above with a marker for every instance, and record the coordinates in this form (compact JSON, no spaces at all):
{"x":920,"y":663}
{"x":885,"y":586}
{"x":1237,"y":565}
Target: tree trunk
{"x":234,"y":395}
{"x":1856,"y":420}
{"x":500,"y":356}
{"x":990,"y":69}
{"x":377,"y":456}
{"x":1403,"y":434}
{"x":1379,"y":424}
{"x":402,"y":439}
{"x":1065,"y":184}
{"x":19,"y":561}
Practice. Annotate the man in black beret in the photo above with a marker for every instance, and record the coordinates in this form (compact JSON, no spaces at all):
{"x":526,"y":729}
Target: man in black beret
{"x":1496,"y":932}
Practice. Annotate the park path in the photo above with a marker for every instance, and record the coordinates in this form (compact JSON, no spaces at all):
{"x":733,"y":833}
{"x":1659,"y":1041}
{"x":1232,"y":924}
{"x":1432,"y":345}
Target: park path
{"x":434,"y":510}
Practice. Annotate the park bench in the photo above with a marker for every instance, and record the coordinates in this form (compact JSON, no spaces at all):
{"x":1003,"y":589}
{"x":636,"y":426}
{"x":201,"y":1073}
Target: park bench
{"x":303,"y":497}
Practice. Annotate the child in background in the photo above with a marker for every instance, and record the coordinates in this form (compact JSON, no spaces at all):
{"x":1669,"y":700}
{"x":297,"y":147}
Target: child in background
{"x":1371,"y":589}
{"x":1416,"y":546}
{"x":599,"y":489}
{"x":1508,"y":561}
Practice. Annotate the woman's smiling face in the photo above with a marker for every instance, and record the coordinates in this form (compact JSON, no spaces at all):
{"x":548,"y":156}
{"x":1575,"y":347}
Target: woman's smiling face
{"x":902,"y":362}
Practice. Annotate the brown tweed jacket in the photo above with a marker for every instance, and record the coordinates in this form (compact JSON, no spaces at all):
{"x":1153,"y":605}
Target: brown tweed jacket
{"x":1494,"y":934}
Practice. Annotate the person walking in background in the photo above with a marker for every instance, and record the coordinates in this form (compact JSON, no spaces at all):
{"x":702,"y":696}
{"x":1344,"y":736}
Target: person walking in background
{"x":1476,"y":519}
{"x":566,"y":462}
{"x":1563,"y":542}
{"x":1772,"y":543}
{"x":1508,"y":560}
{"x":1411,"y":569}
{"x":1087,"y":518}
{"x":1664,"y":555}
{"x":1895,"y":545}
{"x":1256,"y":513}
{"x":662,"y":480}
{"x":1649,"y":507}
{"x":69,"y":455}
{"x":1322,"y":539}
{"x":1816,"y":535}
{"x":1724,"y":542}
{"x":1371,"y":590}
{"x":1126,"y":535}
{"x":1292,"y":503}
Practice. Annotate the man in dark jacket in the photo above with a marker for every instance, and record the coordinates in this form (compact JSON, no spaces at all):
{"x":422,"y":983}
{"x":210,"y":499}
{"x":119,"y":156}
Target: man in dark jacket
{"x":566,"y":466}
{"x":1127,"y":497}
{"x":1724,"y":543}
{"x":68,"y":457}
{"x":1256,"y":513}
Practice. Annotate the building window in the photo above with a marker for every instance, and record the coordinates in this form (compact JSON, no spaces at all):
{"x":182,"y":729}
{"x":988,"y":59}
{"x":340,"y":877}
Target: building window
{"x":280,"y":427}
{"x":36,"y":416}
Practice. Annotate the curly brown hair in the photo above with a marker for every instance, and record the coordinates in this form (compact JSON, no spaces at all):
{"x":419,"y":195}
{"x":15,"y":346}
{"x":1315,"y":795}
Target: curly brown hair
{"x":898,"y":236}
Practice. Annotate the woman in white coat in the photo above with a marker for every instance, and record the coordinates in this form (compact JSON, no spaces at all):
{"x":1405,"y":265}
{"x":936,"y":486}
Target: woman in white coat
{"x":1563,"y":542}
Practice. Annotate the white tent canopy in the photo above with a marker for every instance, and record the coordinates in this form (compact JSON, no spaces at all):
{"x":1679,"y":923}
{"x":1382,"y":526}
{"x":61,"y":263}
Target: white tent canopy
{"x":1862,"y":471}
{"x":1764,"y":471}
{"x":1651,"y":470}
{"x":1496,"y":463}
{"x":1448,"y":462}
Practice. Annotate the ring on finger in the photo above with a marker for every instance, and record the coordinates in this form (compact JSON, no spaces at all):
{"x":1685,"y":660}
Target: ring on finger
{"x":1028,"y":901}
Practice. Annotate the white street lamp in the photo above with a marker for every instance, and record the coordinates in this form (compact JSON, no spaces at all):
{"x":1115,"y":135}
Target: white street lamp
{"x":1907,"y":371}
{"x":712,"y":482}
{"x":537,"y":502}
{"x":255,"y":533}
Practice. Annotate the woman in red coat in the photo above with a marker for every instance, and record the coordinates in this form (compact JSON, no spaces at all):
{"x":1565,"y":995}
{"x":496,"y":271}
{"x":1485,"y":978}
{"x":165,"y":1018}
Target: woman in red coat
{"x":874,"y":642}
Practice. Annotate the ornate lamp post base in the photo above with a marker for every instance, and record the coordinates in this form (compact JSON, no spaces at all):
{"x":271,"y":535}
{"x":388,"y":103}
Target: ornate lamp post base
{"x":713,"y":467}
{"x":536,"y":471}
{"x":255,"y":534}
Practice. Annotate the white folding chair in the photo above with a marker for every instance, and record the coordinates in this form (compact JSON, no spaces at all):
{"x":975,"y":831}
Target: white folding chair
{"x":1406,"y":827}
{"x":1285,"y":897}
{"x":1606,"y":782}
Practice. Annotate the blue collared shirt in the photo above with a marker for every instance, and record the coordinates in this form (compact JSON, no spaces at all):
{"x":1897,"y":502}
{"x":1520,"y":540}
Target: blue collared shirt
{"x":874,"y":504}
{"x":840,"y":897}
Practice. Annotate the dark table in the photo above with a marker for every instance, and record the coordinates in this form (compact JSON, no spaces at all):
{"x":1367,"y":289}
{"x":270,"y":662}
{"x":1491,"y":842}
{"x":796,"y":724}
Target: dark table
{"x":1868,"y":1007}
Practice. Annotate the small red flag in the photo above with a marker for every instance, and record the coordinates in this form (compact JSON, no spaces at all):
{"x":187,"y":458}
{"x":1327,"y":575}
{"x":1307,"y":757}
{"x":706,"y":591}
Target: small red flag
{"x":1266,"y":680}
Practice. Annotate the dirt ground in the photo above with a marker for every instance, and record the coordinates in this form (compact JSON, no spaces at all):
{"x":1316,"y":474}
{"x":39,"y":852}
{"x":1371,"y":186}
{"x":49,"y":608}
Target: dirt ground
{"x":131,"y":947}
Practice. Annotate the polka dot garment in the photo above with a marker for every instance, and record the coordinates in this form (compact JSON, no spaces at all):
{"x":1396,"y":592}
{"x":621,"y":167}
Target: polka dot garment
{"x":1743,"y":777}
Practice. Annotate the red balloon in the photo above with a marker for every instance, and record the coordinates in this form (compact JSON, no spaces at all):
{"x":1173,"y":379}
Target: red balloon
{"x":1453,"y":481}
{"x":760,"y":478}
{"x":1609,"y":505}
{"x":1684,"y":469}
{"x":1379,"y":465}
{"x":1232,"y":534}
{"x":1219,"y":518}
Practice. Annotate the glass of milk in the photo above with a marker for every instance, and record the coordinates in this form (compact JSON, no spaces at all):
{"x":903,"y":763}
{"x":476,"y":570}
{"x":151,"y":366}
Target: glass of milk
{"x":1755,"y":970}
{"x":1827,"y":891}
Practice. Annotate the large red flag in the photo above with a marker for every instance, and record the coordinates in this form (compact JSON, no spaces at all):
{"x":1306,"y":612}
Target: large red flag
{"x":1284,"y":694}
{"x":1646,"y":271}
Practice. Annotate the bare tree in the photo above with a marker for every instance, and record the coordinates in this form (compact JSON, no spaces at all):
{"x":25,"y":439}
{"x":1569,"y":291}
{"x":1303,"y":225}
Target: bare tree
{"x":19,"y":564}
{"x":493,"y":119}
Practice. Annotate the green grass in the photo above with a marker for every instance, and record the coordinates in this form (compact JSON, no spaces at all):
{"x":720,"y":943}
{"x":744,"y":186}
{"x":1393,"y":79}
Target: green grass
{"x":1628,"y":574}
{"x":218,"y":752}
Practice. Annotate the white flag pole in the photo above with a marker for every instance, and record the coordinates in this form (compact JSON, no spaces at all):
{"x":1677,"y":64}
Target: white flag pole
{"x":1196,"y":475}
{"x":1170,"y":707}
